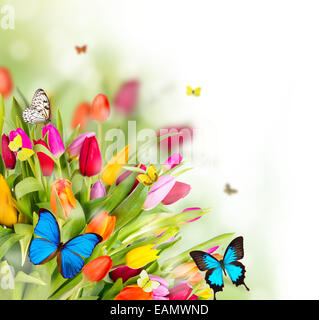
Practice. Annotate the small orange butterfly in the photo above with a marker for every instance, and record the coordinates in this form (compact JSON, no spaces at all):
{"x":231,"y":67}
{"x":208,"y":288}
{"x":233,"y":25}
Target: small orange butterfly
{"x":80,"y":50}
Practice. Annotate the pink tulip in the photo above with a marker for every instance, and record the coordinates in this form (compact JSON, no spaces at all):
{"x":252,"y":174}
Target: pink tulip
{"x":181,"y":292}
{"x":26,"y":142}
{"x":159,"y":191}
{"x":127,"y":173}
{"x":180,"y":190}
{"x":190,"y":209}
{"x":74,"y":148}
{"x":126,"y":98}
{"x":174,"y":160}
{"x":54,"y":140}
{"x":161,"y":292}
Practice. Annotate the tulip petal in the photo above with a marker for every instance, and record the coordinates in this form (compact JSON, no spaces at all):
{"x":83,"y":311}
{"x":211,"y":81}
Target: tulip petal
{"x":159,"y":191}
{"x":180,"y":190}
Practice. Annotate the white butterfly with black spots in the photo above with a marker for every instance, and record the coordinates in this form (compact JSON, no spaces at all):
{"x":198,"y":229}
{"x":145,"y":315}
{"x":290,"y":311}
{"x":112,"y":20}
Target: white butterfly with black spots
{"x":39,"y":111}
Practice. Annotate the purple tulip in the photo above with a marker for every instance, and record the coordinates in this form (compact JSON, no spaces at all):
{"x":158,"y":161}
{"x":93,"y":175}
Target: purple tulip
{"x":98,"y":190}
{"x":74,"y":148}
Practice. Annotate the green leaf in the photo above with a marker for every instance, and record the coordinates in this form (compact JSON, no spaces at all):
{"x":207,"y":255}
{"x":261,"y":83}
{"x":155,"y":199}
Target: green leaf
{"x":184,"y":256}
{"x":134,"y":169}
{"x":59,"y":122}
{"x":33,"y":278}
{"x":74,"y":224}
{"x":26,"y":230}
{"x":130,"y":207}
{"x":114,"y":290}
{"x":26,"y":186}
{"x":16,"y":114}
{"x":7,"y":240}
{"x":73,"y":135}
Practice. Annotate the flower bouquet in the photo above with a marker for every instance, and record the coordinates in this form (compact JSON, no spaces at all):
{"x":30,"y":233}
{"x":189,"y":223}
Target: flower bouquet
{"x":79,"y":223}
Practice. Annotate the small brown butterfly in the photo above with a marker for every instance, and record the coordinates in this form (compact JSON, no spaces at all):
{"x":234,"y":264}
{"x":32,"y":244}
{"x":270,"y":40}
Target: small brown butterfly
{"x":229,"y":190}
{"x":80,"y":50}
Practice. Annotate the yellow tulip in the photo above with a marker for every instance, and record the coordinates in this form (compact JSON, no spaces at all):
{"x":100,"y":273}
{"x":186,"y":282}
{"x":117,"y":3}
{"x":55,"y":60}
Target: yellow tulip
{"x":114,"y":166}
{"x":8,"y":212}
{"x":141,"y":256}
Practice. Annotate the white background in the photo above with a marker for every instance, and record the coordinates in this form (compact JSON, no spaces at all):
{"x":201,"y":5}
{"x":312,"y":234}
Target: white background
{"x":258,"y":65}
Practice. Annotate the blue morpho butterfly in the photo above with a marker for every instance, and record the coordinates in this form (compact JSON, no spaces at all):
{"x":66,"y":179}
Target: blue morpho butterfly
{"x":69,"y":255}
{"x":214,"y":275}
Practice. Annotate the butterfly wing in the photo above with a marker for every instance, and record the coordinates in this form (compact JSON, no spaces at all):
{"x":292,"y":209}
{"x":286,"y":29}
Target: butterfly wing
{"x":42,"y":251}
{"x":143,"y":279}
{"x":25,"y":154}
{"x":70,"y":259}
{"x":145,"y":179}
{"x":189,"y":90}
{"x":16,"y":143}
{"x":214,"y":275}
{"x":39,"y":111}
{"x":45,"y":248}
{"x":235,"y":269}
{"x":197,"y":91}
{"x":152,"y":173}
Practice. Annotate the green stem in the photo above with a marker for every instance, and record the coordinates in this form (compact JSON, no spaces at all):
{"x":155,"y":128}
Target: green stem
{"x":89,"y":182}
{"x":59,"y":168}
{"x":99,"y":135}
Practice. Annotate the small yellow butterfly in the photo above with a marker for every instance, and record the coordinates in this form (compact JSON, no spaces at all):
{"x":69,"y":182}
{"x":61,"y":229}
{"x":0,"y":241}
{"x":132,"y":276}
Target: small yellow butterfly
{"x":150,"y":177}
{"x":190,"y":91}
{"x":22,"y":153}
{"x":146,"y":283}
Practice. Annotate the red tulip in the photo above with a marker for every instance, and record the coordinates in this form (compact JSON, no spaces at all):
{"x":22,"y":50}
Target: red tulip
{"x":8,"y":156}
{"x":90,"y":157}
{"x":125,"y":273}
{"x":81,"y":115}
{"x":46,"y":163}
{"x":179,"y":191}
{"x":100,"y":110}
{"x":6,"y":84}
{"x":97,"y":269}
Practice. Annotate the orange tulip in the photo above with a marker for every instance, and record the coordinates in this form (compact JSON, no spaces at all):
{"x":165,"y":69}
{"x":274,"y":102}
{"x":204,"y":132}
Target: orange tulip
{"x":81,"y":115}
{"x":63,"y":189}
{"x":97,"y":269}
{"x":134,"y":292}
{"x":100,"y":110}
{"x":102,"y":224}
{"x":6,"y":84}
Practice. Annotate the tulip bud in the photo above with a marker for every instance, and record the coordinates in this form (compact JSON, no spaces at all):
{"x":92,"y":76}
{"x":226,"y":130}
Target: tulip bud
{"x":141,"y":256}
{"x":179,"y":191}
{"x":174,"y":160}
{"x":100,"y":110}
{"x":134,"y":292}
{"x":81,"y":115}
{"x":114,"y":166}
{"x":102,"y":224}
{"x":97,"y":269}
{"x":190,"y":209}
{"x":62,"y":188}
{"x":8,"y":156}
{"x":54,"y":139}
{"x":6,"y":84}
{"x":8,"y":212}
{"x":98,"y":190}
{"x":74,"y":149}
{"x":46,"y":163}
{"x":125,"y":273}
{"x":90,"y":157}
{"x":126,"y":98}
{"x":159,"y":191}
{"x":182,"y":292}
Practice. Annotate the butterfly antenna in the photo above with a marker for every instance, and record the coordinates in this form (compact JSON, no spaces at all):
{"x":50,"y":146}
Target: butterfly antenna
{"x":246,"y":287}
